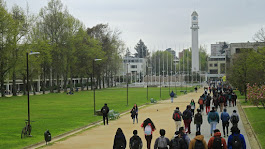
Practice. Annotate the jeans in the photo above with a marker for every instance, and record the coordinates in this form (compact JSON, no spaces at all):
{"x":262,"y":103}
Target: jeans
{"x":213,"y":126}
{"x":148,"y":139}
{"x":225,"y":125}
{"x":221,"y":107}
{"x":135,"y":117}
{"x":105,"y":117}
{"x":198,"y":127}
{"x":171,"y":99}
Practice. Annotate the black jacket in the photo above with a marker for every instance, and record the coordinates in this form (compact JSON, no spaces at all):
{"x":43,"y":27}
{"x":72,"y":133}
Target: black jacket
{"x":181,"y":143}
{"x":119,"y":141}
{"x":107,"y":110}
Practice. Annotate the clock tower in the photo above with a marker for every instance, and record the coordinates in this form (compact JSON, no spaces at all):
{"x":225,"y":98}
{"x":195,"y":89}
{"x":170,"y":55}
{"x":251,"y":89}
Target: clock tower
{"x":195,"y":42}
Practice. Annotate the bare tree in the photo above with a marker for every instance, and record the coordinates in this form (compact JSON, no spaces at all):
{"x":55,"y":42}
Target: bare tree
{"x":260,"y":35}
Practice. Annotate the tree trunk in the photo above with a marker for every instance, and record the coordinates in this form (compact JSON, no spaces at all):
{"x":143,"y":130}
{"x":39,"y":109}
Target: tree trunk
{"x":71,"y":84}
{"x":87,"y":83}
{"x":91,"y":82}
{"x":24,"y":85}
{"x":44,"y":82}
{"x":103,"y":81}
{"x":65,"y":83}
{"x":2,"y":86}
{"x":58,"y":83}
{"x":14,"y":86}
{"x":99,"y":81}
{"x":51,"y":81}
{"x":81,"y":82}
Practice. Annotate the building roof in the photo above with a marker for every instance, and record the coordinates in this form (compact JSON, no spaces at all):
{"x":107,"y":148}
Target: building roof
{"x":194,"y":13}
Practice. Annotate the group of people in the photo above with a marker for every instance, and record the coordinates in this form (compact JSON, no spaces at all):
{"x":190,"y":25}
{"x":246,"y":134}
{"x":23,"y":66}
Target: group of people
{"x":181,"y":139}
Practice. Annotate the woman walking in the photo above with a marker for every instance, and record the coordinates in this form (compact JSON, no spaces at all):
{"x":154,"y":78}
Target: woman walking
{"x":134,"y":113}
{"x":119,"y":140}
{"x":192,"y":105}
{"x":149,"y":127}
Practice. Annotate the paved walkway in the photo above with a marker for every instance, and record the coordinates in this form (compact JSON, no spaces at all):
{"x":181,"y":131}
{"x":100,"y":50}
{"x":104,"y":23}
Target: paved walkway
{"x":161,"y":114}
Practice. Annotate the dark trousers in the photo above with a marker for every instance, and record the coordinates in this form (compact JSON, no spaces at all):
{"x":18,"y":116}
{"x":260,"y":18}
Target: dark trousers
{"x":187,"y":125}
{"x":148,"y":139}
{"x":135,"y":117}
{"x":192,"y":111}
{"x":234,"y":102}
{"x":105,"y":117}
{"x":225,"y":126}
{"x":201,"y":108}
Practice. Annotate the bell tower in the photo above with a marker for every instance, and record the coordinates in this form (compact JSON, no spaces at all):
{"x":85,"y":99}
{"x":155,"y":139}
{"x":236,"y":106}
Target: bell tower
{"x":195,"y":42}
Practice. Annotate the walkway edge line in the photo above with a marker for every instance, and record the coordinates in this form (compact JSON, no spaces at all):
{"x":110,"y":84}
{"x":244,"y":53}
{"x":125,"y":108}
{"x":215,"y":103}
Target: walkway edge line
{"x":252,"y":130}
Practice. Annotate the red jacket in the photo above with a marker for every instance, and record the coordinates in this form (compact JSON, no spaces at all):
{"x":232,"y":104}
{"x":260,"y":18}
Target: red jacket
{"x":217,"y":134}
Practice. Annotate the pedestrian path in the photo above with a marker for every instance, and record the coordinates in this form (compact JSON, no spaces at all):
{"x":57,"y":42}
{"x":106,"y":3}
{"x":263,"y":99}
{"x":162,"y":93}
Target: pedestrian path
{"x":102,"y":137}
{"x":205,"y":128}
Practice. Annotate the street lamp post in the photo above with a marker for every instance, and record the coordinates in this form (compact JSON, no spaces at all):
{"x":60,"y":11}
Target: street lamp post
{"x":93,"y":86}
{"x":27,"y":57}
{"x":127,"y":83}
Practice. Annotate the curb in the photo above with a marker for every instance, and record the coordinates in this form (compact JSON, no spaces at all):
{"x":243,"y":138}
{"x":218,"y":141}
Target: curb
{"x":252,"y":130}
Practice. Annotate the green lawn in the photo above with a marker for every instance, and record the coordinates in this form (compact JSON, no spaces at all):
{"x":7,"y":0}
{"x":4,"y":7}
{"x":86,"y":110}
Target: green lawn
{"x":61,"y":113}
{"x":241,"y":98}
{"x":257,"y":120}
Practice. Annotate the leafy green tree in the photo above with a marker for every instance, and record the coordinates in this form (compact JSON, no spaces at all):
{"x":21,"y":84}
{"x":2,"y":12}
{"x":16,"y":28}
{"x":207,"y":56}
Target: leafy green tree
{"x":141,"y":50}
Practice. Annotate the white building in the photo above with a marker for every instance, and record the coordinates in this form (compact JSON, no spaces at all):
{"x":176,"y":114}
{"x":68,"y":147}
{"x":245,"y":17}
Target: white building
{"x":218,"y":47}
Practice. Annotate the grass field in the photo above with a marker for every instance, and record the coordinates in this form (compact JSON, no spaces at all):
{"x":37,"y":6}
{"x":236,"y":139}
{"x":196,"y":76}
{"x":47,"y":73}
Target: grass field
{"x":61,"y":113}
{"x":257,"y":120}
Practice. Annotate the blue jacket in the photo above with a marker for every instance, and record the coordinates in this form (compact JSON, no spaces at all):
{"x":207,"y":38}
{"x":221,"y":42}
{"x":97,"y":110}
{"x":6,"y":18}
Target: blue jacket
{"x":242,"y":140}
{"x":211,"y":115}
{"x":225,"y":117}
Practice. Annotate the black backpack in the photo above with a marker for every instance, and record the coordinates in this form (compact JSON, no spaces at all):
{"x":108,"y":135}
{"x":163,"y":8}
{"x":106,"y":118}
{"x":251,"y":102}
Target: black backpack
{"x":175,"y":143}
{"x":236,"y":143}
{"x":217,"y":143}
{"x":119,"y":144}
{"x":198,"y":117}
{"x":135,"y":142}
{"x":185,"y":115}
{"x":104,"y":110}
{"x":199,"y":144}
{"x":234,"y":119}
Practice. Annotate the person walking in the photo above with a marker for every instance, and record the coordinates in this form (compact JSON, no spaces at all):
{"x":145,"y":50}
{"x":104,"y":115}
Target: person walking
{"x":225,"y":121}
{"x":198,"y":120}
{"x":161,"y":142}
{"x":234,"y":118}
{"x":134,"y":113}
{"x":184,"y":136}
{"x":215,"y":101}
{"x":221,"y":102}
{"x":187,"y":117}
{"x":135,"y":141}
{"x":198,"y":142}
{"x":105,"y":111}
{"x":201,"y":102}
{"x":119,"y":140}
{"x":213,"y":119}
{"x":192,"y":106}
{"x":148,"y":127}
{"x":217,"y":142}
{"x":177,"y":142}
{"x":236,"y":140}
{"x":208,"y":103}
{"x":196,"y":89}
{"x":234,"y":97}
{"x":172,"y":94}
{"x":177,"y":118}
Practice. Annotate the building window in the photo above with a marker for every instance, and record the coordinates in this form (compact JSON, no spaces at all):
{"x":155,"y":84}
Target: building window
{"x":214,"y":71}
{"x":133,"y":66}
{"x":211,"y":65}
{"x":215,"y":65}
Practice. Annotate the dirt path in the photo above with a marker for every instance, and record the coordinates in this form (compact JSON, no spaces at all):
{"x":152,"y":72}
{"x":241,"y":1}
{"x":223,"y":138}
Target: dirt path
{"x":103,"y":136}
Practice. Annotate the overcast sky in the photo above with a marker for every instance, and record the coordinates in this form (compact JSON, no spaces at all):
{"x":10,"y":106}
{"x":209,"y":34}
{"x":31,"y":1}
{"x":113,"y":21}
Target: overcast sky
{"x":166,"y":23}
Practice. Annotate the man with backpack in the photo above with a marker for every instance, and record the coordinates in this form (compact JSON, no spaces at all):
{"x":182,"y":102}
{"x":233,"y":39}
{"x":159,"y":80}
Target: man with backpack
{"x":162,"y":142}
{"x":234,"y":118}
{"x":177,"y":142}
{"x":172,"y":94}
{"x":105,"y":111}
{"x":198,"y":142}
{"x":187,"y":117}
{"x":213,"y":119}
{"x":201,"y":102}
{"x":236,"y":140}
{"x":135,"y":141}
{"x":217,"y":142}
{"x":221,"y":102}
{"x":208,"y":103}
{"x":184,"y":136}
{"x":177,"y":118}
{"x":198,"y":120}
{"x":225,"y":121}
{"x":234,"y":97}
